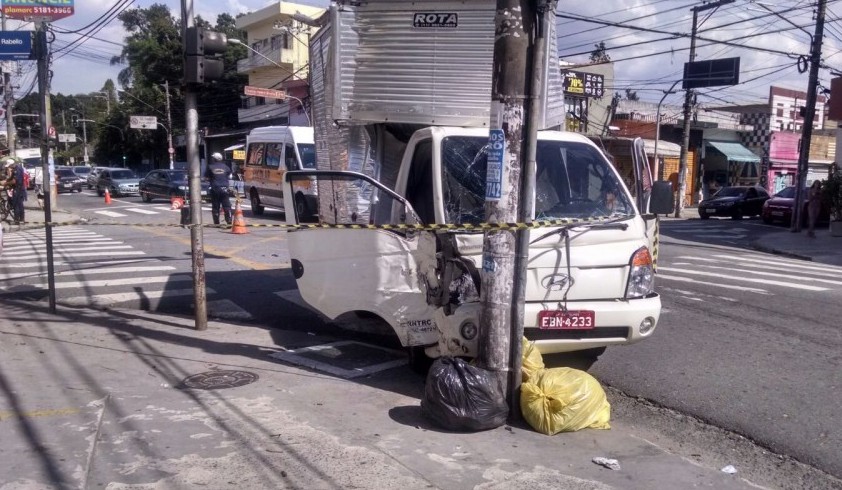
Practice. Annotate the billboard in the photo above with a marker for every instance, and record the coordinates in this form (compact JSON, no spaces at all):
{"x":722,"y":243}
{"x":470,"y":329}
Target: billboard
{"x":44,"y":10}
{"x":711,"y":73}
{"x":583,"y":84}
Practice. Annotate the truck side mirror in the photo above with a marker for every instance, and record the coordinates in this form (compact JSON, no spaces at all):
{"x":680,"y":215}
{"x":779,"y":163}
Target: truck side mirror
{"x":661,"y":201}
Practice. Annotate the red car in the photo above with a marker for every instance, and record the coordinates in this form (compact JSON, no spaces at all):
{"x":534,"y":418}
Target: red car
{"x":779,"y":207}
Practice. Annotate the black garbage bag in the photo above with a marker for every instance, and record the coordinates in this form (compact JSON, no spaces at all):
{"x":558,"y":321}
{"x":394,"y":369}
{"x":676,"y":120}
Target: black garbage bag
{"x":461,"y":397}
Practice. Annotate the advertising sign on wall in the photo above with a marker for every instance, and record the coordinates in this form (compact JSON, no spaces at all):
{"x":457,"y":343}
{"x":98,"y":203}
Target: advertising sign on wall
{"x":583,"y":84}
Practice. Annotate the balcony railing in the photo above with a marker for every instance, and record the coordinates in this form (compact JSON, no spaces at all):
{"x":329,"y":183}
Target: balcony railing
{"x":281,"y":56}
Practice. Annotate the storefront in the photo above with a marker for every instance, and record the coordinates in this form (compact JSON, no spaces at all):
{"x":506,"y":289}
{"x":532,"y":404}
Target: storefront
{"x":728,"y":163}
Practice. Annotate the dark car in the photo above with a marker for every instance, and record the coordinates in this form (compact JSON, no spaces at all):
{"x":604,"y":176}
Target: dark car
{"x":67,"y":180}
{"x":118,"y":182}
{"x":167,"y":184}
{"x":779,"y":207}
{"x":735,"y":202}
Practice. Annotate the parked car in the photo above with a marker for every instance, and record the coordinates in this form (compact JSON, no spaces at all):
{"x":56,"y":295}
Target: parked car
{"x":166,"y":184}
{"x":118,"y":181}
{"x":81,"y":171}
{"x":780,"y":206}
{"x":93,"y":176}
{"x":736,"y":202}
{"x":67,"y":180}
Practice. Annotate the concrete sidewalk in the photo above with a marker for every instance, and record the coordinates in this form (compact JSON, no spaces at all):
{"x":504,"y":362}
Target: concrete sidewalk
{"x":101,"y":399}
{"x":92,"y":399}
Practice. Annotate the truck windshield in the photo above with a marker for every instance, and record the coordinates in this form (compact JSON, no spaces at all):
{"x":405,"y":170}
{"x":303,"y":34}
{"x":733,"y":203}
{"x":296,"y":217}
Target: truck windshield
{"x":573,"y":180}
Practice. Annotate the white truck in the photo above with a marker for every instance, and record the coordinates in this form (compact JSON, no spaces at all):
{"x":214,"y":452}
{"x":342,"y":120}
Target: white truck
{"x":400,"y":96}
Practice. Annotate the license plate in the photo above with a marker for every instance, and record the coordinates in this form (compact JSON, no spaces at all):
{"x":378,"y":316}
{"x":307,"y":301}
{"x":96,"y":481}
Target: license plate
{"x":566,"y":320}
{"x":777,"y":213}
{"x":710,"y":211}
{"x":204,"y":193}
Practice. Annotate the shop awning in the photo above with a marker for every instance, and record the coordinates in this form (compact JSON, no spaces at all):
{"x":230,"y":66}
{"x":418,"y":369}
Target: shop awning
{"x":234,"y":147}
{"x":734,"y":152}
{"x":665,"y":148}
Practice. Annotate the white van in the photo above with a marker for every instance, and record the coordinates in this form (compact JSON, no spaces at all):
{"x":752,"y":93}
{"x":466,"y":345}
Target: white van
{"x":270,"y":152}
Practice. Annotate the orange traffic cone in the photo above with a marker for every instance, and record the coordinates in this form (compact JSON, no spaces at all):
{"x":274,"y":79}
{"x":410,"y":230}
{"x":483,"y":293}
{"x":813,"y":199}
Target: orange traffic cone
{"x":107,"y":197}
{"x":239,"y":225}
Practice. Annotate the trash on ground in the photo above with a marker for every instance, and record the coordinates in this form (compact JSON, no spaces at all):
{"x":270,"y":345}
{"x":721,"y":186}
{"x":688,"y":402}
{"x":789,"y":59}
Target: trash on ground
{"x":461,"y":397}
{"x":611,"y":464}
{"x":564,"y":400}
{"x":532,"y":361}
{"x":729,"y":469}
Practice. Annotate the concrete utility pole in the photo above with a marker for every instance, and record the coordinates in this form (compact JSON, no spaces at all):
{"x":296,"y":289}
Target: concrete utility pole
{"x":688,"y":107}
{"x":194,"y":168}
{"x":10,"y":102}
{"x":809,"y":116}
{"x":43,"y":58}
{"x":510,"y":166}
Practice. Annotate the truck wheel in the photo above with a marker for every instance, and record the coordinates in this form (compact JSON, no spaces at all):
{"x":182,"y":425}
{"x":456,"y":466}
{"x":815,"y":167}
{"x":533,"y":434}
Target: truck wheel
{"x":256,"y":208}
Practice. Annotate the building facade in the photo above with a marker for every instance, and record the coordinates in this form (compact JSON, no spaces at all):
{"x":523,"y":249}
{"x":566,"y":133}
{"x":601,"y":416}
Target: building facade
{"x":278,"y":58}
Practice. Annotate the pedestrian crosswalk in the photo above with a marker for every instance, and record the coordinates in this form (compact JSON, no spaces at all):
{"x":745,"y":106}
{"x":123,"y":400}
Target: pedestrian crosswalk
{"x":146,"y":210}
{"x":751,"y":272}
{"x":705,"y":231}
{"x":90,"y":270}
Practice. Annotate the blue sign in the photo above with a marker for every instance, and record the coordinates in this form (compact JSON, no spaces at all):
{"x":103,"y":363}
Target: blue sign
{"x":494,"y":172}
{"x":16,"y":45}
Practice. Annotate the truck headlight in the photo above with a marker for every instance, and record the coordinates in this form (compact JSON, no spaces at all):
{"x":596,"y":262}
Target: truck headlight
{"x":642,"y":274}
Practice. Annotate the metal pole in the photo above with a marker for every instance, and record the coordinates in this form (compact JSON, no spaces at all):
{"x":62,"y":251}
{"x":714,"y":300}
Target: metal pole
{"x":809,"y":116}
{"x":42,"y":55}
{"x":196,"y":232}
{"x":170,"y":149}
{"x":514,"y":30}
{"x":657,"y":164}
{"x":85,"y":138}
{"x":688,"y":106}
{"x":10,"y":102}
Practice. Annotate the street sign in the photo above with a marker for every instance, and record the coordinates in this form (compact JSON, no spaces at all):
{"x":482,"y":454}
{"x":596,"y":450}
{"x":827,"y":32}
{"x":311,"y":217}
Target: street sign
{"x":239,"y":155}
{"x":67,"y":138}
{"x":143,"y":122}
{"x":266,"y":93}
{"x":43,"y":10}
{"x":16,"y":45}
{"x":171,"y":150}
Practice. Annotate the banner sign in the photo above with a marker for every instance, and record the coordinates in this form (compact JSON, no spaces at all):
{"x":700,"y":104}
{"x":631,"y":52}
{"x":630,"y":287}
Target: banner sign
{"x":143,"y":122}
{"x":711,"y":73}
{"x":46,"y":10}
{"x":16,"y":45}
{"x":583,"y":84}
{"x":266,"y":93}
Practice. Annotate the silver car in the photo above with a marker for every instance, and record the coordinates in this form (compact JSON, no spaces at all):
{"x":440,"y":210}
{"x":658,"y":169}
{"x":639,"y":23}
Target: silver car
{"x":118,"y":182}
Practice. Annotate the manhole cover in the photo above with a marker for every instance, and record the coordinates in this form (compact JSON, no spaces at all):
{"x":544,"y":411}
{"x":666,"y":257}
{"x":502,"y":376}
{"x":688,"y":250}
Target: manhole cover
{"x":215,"y":380}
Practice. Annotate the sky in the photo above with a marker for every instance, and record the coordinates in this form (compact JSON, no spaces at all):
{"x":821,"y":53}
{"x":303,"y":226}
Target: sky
{"x":767,"y":36}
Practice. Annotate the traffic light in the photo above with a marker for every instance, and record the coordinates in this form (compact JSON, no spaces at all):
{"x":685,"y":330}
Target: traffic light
{"x":201,"y":49}
{"x":75,"y":119}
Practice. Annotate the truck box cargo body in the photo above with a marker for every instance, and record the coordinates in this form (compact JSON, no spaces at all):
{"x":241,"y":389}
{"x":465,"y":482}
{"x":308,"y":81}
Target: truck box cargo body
{"x":401,"y":111}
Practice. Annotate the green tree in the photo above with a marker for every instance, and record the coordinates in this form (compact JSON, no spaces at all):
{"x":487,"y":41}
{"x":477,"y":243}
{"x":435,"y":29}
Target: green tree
{"x":600,"y":54}
{"x":631,"y":94}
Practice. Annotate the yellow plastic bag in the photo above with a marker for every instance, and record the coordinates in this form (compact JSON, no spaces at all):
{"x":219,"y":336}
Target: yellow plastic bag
{"x":564,"y":400}
{"x":532,"y":361}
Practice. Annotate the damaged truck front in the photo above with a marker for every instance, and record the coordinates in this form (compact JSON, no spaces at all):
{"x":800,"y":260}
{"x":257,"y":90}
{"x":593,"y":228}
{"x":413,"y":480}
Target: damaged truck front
{"x":400,"y":100}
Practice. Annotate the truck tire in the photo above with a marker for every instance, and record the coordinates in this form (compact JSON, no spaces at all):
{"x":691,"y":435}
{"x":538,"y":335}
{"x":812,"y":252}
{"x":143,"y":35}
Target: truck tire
{"x":256,"y":208}
{"x":419,"y":361}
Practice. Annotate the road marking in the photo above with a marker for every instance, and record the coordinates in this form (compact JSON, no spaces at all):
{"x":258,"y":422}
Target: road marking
{"x":716,"y":284}
{"x":781,"y":274}
{"x":111,"y":214}
{"x":87,"y":254}
{"x":181,"y":277}
{"x":25,"y":265}
{"x":141,"y":211}
{"x":87,"y":272}
{"x":734,"y":278}
{"x":66,"y":250}
{"x":801,"y":264}
{"x":59,"y":243}
{"x":108,"y":299}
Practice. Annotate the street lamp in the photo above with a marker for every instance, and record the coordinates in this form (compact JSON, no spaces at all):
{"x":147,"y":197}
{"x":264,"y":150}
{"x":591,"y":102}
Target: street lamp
{"x":270,"y":60}
{"x":658,"y":128}
{"x":84,"y":133}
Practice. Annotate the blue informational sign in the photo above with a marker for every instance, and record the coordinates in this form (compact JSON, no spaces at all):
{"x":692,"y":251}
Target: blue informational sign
{"x":494,"y":173}
{"x":16,"y":45}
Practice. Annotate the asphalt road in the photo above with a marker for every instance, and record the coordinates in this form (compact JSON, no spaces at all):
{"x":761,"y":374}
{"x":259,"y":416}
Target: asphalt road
{"x":747,"y":341}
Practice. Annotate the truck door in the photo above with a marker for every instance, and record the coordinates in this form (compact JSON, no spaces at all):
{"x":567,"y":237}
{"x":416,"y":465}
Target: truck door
{"x":643,"y":192}
{"x":343,"y":264}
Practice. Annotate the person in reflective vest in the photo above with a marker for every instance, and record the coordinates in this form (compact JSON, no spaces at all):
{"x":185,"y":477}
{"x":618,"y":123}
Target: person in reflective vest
{"x":217,"y":173}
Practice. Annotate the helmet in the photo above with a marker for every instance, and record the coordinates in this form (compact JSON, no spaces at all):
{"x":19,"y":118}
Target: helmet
{"x":217,"y":156}
{"x":8,"y":162}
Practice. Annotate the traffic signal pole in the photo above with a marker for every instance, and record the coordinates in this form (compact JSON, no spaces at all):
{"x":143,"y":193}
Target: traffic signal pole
{"x":194,"y":169}
{"x":42,"y":56}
